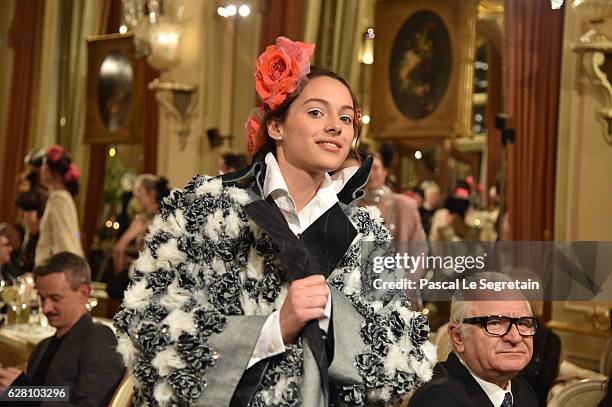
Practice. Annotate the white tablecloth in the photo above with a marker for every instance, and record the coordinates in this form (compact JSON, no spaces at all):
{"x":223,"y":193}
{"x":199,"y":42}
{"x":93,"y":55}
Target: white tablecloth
{"x":32,"y":334}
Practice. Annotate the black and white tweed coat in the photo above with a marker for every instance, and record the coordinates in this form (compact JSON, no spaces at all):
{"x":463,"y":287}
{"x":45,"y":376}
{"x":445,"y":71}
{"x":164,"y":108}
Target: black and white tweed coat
{"x":206,"y":281}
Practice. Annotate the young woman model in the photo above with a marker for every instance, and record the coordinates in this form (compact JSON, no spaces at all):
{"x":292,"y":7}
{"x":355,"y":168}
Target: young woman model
{"x":59,"y":225}
{"x":253,"y":287}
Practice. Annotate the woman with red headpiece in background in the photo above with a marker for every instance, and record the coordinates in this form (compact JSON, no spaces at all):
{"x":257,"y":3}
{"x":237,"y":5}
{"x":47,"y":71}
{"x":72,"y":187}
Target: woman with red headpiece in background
{"x":59,"y":226}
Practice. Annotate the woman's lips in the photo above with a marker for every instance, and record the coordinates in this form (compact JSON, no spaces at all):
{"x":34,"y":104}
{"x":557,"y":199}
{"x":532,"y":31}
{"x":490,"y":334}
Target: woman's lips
{"x":329,"y":146}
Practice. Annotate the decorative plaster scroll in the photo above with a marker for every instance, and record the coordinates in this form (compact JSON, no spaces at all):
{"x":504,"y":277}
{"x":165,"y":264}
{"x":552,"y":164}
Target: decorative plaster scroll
{"x":179,"y":100}
{"x":595,"y":55}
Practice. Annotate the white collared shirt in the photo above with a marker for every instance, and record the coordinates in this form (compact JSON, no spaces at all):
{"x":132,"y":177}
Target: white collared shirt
{"x":270,"y":341}
{"x":495,"y":393}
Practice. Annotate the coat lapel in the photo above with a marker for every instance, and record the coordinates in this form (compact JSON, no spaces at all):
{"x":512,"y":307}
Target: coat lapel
{"x":35,"y":360}
{"x":328,"y":238}
{"x":71,"y":342}
{"x":475,"y":392}
{"x":352,"y":190}
{"x":293,"y":254}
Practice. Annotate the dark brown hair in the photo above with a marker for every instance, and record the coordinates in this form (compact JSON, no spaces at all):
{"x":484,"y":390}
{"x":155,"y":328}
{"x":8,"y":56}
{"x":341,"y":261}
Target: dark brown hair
{"x":235,"y":160}
{"x":280,"y":113}
{"x":154,"y":183}
{"x":61,"y":167}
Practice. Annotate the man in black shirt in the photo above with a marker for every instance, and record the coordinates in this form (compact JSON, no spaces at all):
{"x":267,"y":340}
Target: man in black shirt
{"x":81,"y":354}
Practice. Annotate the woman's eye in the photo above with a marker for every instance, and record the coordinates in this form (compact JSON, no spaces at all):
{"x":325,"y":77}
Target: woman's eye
{"x":346,"y":119}
{"x":315,"y":113}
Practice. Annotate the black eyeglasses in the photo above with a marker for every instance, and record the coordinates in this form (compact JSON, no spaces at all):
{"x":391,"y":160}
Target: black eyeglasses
{"x":499,"y":325}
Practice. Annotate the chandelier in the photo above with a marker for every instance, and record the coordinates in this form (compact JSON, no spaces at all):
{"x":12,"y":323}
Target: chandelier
{"x":556,"y":4}
{"x":157,"y":29}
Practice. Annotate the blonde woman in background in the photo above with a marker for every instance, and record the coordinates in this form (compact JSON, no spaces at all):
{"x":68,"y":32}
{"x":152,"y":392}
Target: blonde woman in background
{"x":149,"y":190}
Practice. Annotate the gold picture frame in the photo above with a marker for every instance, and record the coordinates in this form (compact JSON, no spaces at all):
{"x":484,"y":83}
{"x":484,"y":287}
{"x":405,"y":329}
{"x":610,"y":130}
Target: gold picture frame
{"x":114,"y":90}
{"x":423,"y":69}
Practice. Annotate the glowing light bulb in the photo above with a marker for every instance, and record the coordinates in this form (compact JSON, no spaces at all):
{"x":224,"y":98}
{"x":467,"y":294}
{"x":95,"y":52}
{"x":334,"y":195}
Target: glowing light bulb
{"x":231,"y":10}
{"x":244,"y":10}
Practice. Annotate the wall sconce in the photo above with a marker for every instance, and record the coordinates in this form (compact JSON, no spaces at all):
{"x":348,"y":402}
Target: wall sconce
{"x":178,"y":99}
{"x":367,"y":48}
{"x":157,"y":28}
{"x":595,"y":47}
{"x":556,"y":4}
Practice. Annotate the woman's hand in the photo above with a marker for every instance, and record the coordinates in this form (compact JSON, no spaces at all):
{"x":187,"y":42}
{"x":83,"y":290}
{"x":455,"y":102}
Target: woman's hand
{"x":305,"y":301}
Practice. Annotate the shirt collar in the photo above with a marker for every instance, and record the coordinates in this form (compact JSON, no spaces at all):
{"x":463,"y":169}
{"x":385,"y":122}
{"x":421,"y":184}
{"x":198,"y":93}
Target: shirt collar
{"x":326,"y":197}
{"x":274,"y":178}
{"x":331,"y":186}
{"x":494,"y":392}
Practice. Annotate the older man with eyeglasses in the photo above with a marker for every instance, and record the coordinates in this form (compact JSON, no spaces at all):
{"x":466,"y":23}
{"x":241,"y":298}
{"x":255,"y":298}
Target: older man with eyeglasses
{"x":492,"y":339}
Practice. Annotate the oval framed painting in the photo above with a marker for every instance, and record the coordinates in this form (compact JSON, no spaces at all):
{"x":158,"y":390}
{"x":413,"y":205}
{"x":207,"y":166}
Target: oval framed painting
{"x":421,"y":65}
{"x":115,"y":83}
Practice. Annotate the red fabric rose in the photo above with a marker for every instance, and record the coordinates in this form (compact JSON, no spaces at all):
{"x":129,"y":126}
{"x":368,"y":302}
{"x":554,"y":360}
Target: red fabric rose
{"x":73,"y":173}
{"x":255,"y":137}
{"x":55,"y":153}
{"x":280,"y":69}
{"x":462,"y":193}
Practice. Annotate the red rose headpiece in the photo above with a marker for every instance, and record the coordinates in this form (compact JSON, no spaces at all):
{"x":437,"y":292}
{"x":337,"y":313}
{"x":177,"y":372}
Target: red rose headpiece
{"x":254,"y":133}
{"x":461,"y":193}
{"x":55,"y":153}
{"x":73,"y":173}
{"x":279,"y":71}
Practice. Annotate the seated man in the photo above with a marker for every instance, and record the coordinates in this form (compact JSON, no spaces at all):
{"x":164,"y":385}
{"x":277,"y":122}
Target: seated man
{"x":16,"y":265}
{"x":81,"y":354}
{"x":7,"y":271}
{"x":492,"y":342}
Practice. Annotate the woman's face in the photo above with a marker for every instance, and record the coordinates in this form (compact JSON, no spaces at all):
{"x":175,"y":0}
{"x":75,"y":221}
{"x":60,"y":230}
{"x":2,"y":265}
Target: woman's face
{"x":378,"y":175}
{"x":317,"y":134}
{"x":145,"y":199}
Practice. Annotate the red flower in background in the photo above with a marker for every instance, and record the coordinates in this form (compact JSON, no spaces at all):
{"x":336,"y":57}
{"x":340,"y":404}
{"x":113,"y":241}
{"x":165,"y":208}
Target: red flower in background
{"x":73,"y":173}
{"x":55,"y":153}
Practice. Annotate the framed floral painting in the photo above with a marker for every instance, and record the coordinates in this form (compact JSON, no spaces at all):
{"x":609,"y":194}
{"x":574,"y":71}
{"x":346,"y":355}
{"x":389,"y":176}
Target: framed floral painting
{"x":423,"y":68}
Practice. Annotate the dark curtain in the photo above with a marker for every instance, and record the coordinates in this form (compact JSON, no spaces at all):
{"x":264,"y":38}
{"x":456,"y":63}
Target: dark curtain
{"x":535,"y":35}
{"x":25,"y":39}
{"x":282,"y":17}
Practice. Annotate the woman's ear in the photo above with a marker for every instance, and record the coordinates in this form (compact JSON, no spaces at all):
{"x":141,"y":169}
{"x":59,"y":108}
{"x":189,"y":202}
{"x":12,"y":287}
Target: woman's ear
{"x":275,"y":130}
